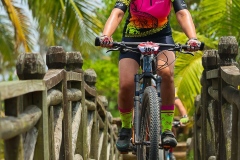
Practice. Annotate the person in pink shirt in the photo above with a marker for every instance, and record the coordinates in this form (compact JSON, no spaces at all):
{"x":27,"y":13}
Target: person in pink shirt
{"x":148,"y":20}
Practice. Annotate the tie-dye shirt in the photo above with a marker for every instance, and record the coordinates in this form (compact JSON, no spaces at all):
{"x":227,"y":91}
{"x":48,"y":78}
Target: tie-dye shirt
{"x":147,"y":17}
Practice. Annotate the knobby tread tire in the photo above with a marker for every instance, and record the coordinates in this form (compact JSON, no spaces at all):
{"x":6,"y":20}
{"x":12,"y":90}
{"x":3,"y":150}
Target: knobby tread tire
{"x":150,"y":124}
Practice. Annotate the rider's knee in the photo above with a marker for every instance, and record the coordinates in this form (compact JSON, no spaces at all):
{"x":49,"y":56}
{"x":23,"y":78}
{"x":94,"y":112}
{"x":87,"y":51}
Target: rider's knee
{"x":126,"y":88}
{"x":167,"y":75}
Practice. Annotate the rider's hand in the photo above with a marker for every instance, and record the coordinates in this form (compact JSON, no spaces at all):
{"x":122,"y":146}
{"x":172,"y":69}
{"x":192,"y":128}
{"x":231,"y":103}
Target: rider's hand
{"x":106,"y":41}
{"x":194,"y":44}
{"x":184,"y":119}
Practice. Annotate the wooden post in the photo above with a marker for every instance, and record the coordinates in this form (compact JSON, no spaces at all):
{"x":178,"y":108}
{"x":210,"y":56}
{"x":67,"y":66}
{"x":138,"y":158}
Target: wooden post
{"x":227,"y":50}
{"x":197,"y":128}
{"x":57,"y":58}
{"x":209,"y":61}
{"x":105,"y":136}
{"x":74,"y":62}
{"x":32,"y":66}
{"x":90,"y":77}
{"x":81,"y":145}
{"x":14,"y":146}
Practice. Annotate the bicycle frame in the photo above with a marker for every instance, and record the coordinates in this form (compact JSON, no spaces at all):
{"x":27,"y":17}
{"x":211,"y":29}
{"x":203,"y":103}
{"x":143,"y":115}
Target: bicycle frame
{"x":146,"y":76}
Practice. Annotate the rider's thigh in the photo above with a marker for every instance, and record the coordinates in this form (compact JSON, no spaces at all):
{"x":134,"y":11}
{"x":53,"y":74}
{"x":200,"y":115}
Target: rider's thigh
{"x":127,"y":69}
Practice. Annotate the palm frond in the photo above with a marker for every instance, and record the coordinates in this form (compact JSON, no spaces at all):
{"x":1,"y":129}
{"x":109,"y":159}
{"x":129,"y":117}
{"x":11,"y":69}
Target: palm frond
{"x":73,"y":21}
{"x":6,"y":38}
{"x":83,"y":16}
{"x":21,"y":24}
{"x":188,"y":70}
{"x":219,"y":18}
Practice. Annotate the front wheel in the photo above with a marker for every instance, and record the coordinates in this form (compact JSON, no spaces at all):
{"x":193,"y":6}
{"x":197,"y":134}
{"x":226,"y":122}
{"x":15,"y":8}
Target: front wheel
{"x":150,"y":126}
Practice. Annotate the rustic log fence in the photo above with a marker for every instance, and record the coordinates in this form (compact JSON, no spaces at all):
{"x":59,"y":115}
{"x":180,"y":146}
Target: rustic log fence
{"x":217,"y":113}
{"x":55,"y":114}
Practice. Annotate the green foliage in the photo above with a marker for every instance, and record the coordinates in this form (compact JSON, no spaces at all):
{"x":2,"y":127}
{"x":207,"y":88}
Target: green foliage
{"x":6,"y":42}
{"x":219,"y":18}
{"x":9,"y":41}
{"x":72,"y":22}
{"x":188,"y":70}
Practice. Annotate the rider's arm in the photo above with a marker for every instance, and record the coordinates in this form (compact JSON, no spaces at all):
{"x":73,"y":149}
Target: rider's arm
{"x":185,"y":20}
{"x":184,"y":117}
{"x":180,"y":107}
{"x":113,"y":21}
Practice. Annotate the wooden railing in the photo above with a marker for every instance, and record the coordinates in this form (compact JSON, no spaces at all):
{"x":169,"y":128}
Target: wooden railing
{"x":55,"y":114}
{"x":217,"y":113}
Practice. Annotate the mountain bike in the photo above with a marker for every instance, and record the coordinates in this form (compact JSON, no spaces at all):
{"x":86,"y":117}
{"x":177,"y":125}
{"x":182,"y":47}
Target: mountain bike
{"x":146,"y":135}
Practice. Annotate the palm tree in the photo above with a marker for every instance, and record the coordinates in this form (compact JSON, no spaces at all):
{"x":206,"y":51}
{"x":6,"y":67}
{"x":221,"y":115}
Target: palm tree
{"x":15,"y":33}
{"x":71,"y":23}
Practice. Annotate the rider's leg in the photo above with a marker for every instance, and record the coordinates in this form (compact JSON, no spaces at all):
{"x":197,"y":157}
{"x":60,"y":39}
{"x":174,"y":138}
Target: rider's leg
{"x":127,"y":69}
{"x":166,"y":71}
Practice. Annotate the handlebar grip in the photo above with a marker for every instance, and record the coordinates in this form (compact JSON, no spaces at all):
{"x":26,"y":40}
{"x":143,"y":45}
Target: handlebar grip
{"x":202,"y":46}
{"x":185,"y":47}
{"x":97,"y":41}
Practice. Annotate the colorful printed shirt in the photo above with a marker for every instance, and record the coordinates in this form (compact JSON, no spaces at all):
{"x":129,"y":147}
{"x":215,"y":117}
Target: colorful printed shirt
{"x":148,"y":17}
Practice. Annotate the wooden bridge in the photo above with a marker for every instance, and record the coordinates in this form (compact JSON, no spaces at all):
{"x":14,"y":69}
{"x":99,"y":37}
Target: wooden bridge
{"x":58,"y":114}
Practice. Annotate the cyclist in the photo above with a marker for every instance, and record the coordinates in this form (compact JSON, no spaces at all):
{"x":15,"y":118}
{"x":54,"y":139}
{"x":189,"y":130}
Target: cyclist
{"x":183,"y":120}
{"x":147,"y":21}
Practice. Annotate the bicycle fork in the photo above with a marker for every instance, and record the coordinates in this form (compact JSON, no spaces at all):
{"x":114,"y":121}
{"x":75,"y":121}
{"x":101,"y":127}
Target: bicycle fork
{"x":137,"y":104}
{"x":137,"y":110}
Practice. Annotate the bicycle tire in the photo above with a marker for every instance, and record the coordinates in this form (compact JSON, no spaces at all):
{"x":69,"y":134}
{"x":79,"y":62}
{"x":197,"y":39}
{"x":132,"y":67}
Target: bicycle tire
{"x":150,"y":126}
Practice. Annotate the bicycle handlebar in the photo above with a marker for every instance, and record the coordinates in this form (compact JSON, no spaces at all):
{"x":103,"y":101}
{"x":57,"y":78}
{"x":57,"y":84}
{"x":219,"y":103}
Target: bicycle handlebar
{"x":173,"y":47}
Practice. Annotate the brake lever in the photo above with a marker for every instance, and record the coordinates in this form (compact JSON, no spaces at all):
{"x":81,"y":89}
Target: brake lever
{"x":113,"y":49}
{"x":121,"y":50}
{"x":186,"y":52}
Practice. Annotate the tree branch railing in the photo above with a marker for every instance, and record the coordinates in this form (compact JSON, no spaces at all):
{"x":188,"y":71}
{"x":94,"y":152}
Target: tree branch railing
{"x":217,"y":113}
{"x":56,"y":114}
